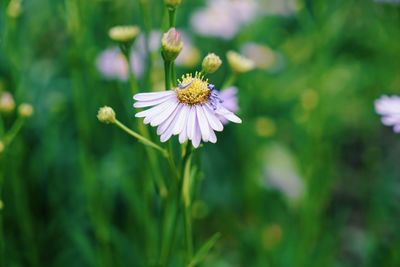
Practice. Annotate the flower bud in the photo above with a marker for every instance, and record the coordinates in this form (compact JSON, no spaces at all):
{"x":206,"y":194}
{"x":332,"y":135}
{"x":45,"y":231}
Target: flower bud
{"x":239,"y":63}
{"x":14,"y":9}
{"x":106,"y":115}
{"x":211,"y":63}
{"x":171,"y":44}
{"x":25,"y":110}
{"x":7,"y":104}
{"x":172,"y":3}
{"x":124,"y":34}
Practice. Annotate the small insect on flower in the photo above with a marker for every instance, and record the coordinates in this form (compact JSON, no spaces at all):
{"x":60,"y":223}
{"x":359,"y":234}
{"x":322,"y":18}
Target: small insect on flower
{"x":389,"y":109}
{"x":193,"y":111}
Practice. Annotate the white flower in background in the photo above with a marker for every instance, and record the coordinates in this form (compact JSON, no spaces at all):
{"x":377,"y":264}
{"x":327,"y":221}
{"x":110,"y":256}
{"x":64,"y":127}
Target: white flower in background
{"x":154,"y":42}
{"x":191,"y":111}
{"x":389,"y":109}
{"x":112,"y":64}
{"x":280,"y":172}
{"x":223,"y":18}
{"x":229,"y":100}
{"x":263,"y":57}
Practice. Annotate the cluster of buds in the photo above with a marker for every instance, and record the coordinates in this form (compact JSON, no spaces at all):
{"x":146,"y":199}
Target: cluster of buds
{"x":7,"y":107}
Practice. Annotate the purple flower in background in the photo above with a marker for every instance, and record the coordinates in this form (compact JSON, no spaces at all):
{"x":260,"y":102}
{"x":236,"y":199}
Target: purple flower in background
{"x":112,"y":64}
{"x":192,"y":111}
{"x":223,"y":18}
{"x":229,"y":100}
{"x":389,"y":109}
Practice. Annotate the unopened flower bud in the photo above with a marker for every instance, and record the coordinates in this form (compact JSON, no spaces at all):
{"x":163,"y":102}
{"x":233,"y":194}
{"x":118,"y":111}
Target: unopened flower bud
{"x":172,"y":3}
{"x":25,"y":110}
{"x":171,"y":44}
{"x":106,"y":115}
{"x":211,"y":63}
{"x":239,"y":63}
{"x":124,"y":34}
{"x":7,"y":104}
{"x":14,"y":9}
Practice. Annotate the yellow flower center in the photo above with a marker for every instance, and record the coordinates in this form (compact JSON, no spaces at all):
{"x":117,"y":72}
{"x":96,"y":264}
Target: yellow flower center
{"x":193,"y":90}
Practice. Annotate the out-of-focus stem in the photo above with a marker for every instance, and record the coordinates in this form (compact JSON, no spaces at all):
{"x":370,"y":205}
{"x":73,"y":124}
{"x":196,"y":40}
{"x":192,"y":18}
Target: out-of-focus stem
{"x":142,"y":139}
{"x":186,"y":201}
{"x":125,"y":49}
{"x":230,"y":81}
{"x":12,"y":133}
{"x":172,"y":17}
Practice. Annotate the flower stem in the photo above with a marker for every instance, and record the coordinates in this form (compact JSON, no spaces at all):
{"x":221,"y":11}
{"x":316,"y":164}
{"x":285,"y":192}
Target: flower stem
{"x":167,"y":70}
{"x":142,"y":139}
{"x":12,"y":133}
{"x":172,"y":17}
{"x":125,"y":50}
{"x":186,"y":201}
{"x":230,"y":81}
{"x":173,"y":74}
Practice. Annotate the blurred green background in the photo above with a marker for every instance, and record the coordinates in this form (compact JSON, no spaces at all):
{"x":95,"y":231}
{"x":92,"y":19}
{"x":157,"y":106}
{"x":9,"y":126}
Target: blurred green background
{"x":311,"y":177}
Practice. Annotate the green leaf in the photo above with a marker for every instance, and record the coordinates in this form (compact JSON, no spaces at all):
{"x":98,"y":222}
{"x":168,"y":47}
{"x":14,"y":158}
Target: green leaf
{"x":203,"y":251}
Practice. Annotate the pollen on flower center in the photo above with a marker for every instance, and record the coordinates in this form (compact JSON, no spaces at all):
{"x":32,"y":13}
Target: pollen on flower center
{"x":193,"y":90}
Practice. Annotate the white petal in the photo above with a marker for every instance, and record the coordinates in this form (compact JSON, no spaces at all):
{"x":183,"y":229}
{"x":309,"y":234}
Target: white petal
{"x":157,"y":120}
{"x":203,"y":123}
{"x":196,"y":135}
{"x":152,"y":95}
{"x":183,"y":135}
{"x":214,"y":122}
{"x":191,"y":123}
{"x":169,"y":104}
{"x":168,"y":132}
{"x":213,"y":137}
{"x":155,"y":110}
{"x":144,"y":104}
{"x":181,"y":121}
{"x":163,"y":126}
{"x":227,"y":114}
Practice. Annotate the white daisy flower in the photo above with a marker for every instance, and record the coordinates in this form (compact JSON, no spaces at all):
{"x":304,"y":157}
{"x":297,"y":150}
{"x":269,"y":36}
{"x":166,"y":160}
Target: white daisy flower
{"x":389,"y":109}
{"x":193,"y":111}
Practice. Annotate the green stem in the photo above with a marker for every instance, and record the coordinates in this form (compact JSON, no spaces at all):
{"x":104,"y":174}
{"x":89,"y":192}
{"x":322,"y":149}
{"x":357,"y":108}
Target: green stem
{"x":173,"y":74}
{"x":125,"y":50}
{"x":230,"y":81}
{"x":12,"y":133}
{"x":2,"y":237}
{"x":186,"y":197}
{"x":172,"y":17}
{"x":167,"y":70}
{"x":142,"y":139}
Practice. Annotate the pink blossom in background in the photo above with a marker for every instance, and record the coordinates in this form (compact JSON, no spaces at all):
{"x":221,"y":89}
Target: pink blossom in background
{"x":223,"y":18}
{"x":389,"y":108}
{"x":112,"y":64}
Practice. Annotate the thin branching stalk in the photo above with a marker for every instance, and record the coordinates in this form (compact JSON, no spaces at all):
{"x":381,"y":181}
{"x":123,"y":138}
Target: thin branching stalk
{"x":142,"y":139}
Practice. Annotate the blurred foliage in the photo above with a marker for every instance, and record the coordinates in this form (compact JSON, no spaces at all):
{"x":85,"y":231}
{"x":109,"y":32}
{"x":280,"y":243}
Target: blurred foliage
{"x":74,"y":189}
